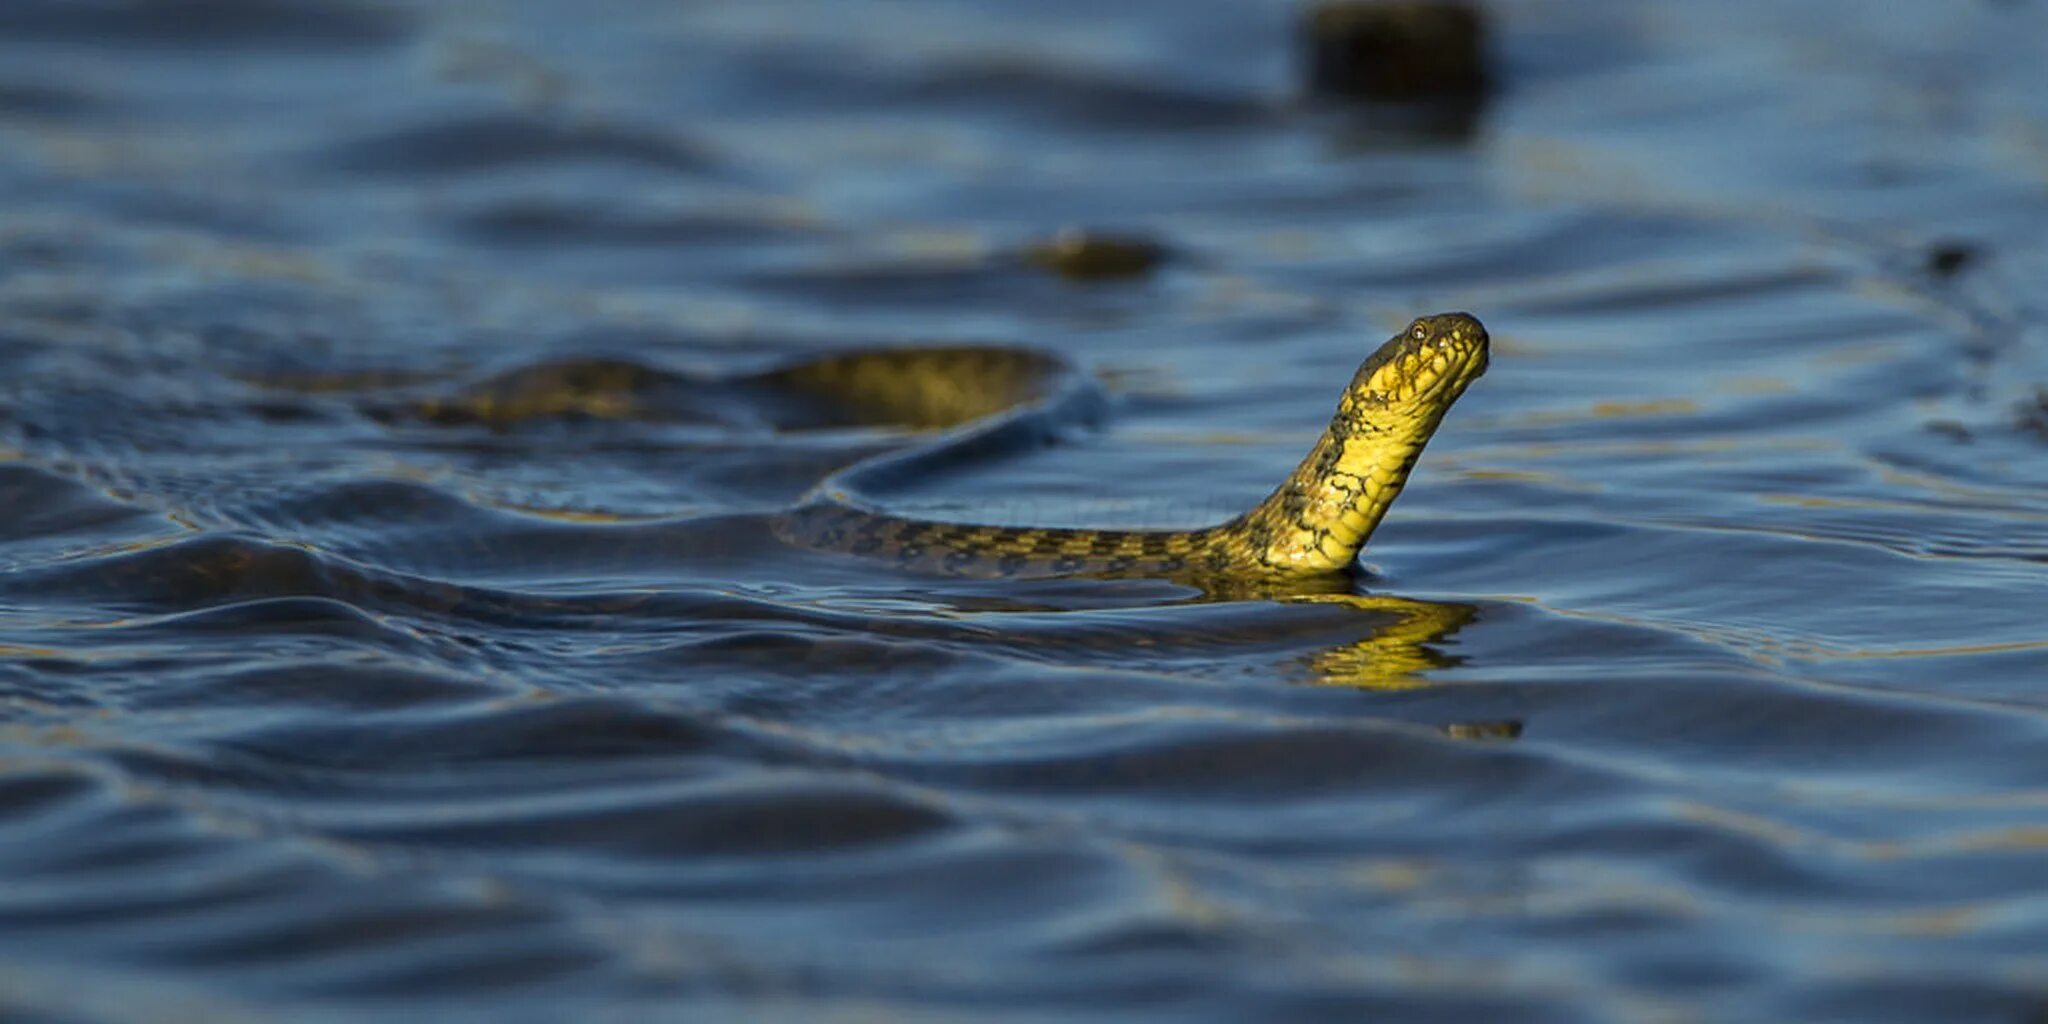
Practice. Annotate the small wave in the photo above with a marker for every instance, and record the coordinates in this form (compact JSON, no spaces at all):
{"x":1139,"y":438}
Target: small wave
{"x":256,"y":24}
{"x":475,"y":143}
{"x":545,"y":223}
{"x":36,"y":100}
{"x":42,"y":505}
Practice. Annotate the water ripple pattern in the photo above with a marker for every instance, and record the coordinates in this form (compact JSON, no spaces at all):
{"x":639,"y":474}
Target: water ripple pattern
{"x":391,"y":623}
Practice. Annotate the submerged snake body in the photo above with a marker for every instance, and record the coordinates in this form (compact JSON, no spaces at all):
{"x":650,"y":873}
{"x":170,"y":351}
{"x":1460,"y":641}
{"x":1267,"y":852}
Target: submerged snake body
{"x":1316,"y":521}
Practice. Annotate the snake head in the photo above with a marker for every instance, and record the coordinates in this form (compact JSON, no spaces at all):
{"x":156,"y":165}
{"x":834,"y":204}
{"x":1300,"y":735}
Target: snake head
{"x":1425,"y":367}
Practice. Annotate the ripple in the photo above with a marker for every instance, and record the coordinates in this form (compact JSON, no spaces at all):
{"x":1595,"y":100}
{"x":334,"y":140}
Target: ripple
{"x":1078,"y":97}
{"x":244,"y":23}
{"x":580,"y":729}
{"x":545,"y":223}
{"x":31,"y":792}
{"x":811,"y":817}
{"x":266,"y":579}
{"x":407,"y":527}
{"x":358,"y":683}
{"x":396,"y":397}
{"x":483,"y":142}
{"x":1062,"y":95}
{"x":42,"y":505}
{"x":38,"y":100}
{"x":187,"y":573}
{"x":1232,"y":762}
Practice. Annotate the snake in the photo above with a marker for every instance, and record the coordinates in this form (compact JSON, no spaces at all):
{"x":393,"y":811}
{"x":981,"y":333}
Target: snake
{"x":962,"y":404}
{"x":1315,"y":522}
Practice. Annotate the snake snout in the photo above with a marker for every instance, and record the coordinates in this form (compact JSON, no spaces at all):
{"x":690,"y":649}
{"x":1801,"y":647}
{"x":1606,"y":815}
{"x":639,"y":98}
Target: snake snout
{"x":1455,"y":334}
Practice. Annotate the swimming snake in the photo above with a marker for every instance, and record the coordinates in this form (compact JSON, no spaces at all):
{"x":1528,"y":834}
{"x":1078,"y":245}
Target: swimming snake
{"x":1316,"y":521}
{"x":965,"y":403}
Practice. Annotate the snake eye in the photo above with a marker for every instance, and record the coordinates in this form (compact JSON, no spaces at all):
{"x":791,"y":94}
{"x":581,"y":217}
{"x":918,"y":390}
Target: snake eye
{"x":1417,"y":331}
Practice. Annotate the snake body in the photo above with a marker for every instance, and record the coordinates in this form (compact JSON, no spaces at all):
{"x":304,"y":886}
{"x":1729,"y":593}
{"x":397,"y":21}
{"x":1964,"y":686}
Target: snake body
{"x":1316,"y":521}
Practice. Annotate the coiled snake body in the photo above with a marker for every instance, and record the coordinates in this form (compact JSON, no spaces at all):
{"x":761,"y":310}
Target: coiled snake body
{"x":1316,"y":521}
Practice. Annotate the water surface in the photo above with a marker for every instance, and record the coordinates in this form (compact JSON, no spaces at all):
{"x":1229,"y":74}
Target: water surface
{"x":1698,"y":675}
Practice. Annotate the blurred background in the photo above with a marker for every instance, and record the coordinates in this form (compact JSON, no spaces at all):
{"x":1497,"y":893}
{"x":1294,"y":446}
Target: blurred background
{"x":389,"y":622}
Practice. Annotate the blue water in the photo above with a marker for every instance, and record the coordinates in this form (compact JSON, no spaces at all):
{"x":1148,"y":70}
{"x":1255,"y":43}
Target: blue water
{"x":1701,"y":673}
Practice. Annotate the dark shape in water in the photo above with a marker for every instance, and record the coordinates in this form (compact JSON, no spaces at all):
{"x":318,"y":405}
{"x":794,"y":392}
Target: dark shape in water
{"x":1947,"y":259}
{"x":1078,"y":254}
{"x":491,"y":142}
{"x":1950,"y":429}
{"x":1401,"y":51}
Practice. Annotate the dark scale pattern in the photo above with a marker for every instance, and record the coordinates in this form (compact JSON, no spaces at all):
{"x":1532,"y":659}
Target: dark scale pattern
{"x":1315,"y":521}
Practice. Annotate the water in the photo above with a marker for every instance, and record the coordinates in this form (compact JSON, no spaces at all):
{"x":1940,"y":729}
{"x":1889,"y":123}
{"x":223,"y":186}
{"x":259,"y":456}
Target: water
{"x":1699,"y":676}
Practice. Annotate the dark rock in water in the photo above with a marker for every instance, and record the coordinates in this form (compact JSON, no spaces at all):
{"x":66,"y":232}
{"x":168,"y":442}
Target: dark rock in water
{"x":1080,"y":255}
{"x":1947,"y":259}
{"x":1395,"y":50}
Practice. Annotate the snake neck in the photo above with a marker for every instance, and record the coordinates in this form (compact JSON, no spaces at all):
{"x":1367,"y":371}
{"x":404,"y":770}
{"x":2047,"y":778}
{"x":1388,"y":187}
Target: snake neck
{"x":1321,"y":515}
